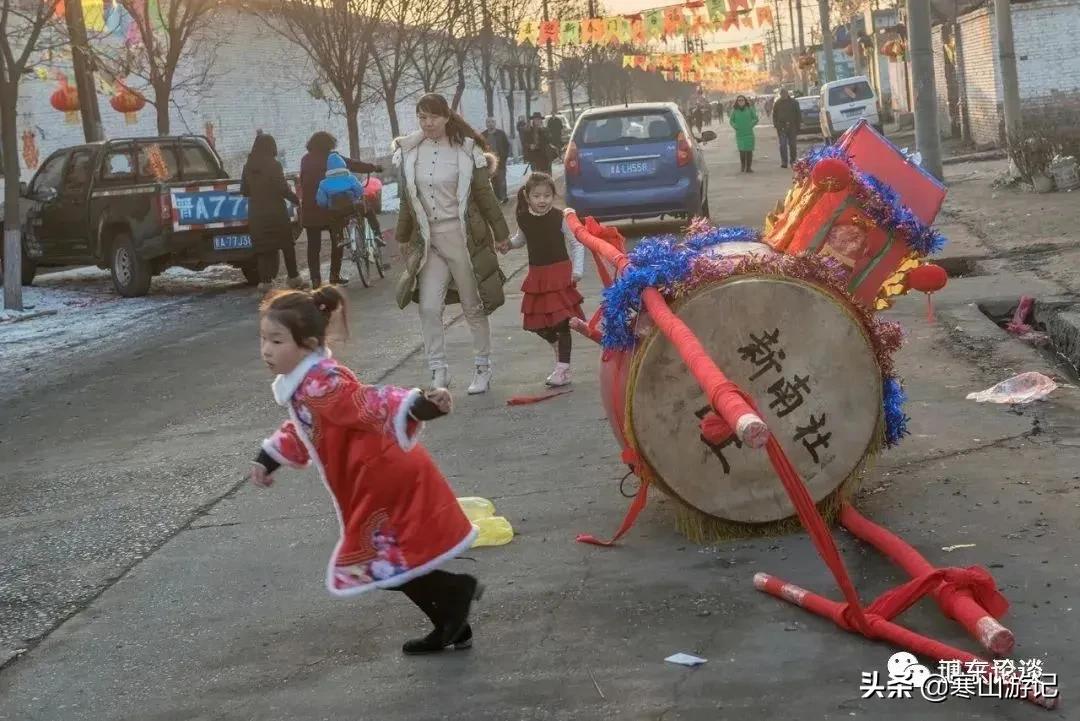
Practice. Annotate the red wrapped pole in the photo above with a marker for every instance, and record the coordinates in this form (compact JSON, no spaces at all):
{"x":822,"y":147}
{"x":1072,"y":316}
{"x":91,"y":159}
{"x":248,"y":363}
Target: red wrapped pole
{"x":724,"y":396}
{"x":879,"y":628}
{"x":956,"y":603}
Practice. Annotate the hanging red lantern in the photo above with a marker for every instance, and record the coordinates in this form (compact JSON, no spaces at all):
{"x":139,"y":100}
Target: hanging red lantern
{"x":831,"y":175}
{"x":928,"y":278}
{"x":128,"y":102}
{"x":66,"y":100}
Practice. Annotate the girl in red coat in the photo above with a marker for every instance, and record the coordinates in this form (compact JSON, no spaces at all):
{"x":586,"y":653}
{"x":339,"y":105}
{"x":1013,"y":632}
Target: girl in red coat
{"x":556,"y":258}
{"x":399,"y":519}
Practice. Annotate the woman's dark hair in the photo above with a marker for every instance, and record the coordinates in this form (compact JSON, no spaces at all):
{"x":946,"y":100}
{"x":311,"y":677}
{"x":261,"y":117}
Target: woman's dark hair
{"x":322,"y":143}
{"x":264,"y":145}
{"x":535,"y":180}
{"x":456,"y":127}
{"x":742,"y":98}
{"x":305,"y":313}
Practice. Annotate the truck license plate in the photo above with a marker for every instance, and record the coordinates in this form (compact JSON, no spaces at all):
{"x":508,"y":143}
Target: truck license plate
{"x":232,"y":242}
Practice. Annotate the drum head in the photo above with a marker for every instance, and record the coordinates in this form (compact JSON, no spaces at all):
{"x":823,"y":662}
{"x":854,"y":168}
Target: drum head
{"x":810,"y":367}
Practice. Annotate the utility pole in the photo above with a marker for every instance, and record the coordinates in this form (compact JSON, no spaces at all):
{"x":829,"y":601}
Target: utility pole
{"x":1009,"y":82}
{"x":826,"y":41}
{"x":84,"y":76}
{"x":927,"y":138}
{"x":802,"y":44}
{"x":551,"y":69}
{"x":853,"y":31}
{"x":590,"y":53}
{"x":791,"y":23}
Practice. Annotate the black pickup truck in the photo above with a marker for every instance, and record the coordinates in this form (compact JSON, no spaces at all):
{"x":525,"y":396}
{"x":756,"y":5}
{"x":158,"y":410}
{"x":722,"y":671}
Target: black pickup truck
{"x":137,"y":206}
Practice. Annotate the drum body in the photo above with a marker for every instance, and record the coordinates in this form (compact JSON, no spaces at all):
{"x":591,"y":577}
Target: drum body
{"x":799,"y":350}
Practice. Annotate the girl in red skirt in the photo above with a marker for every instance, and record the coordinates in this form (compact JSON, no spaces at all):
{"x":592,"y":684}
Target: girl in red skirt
{"x":399,"y":520}
{"x":555,"y":264}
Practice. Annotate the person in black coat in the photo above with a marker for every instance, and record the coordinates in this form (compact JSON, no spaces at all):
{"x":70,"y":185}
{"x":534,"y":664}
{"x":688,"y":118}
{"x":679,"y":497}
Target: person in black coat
{"x":787,"y":119}
{"x":537,"y":145}
{"x":500,"y":145}
{"x":316,"y":220}
{"x":263,"y":183}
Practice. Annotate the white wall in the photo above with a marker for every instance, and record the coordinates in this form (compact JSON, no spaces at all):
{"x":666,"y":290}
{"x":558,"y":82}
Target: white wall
{"x":261,"y":82}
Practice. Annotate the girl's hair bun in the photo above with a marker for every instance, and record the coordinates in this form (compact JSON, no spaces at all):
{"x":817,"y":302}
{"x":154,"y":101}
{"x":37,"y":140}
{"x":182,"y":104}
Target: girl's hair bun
{"x":327,"y":299}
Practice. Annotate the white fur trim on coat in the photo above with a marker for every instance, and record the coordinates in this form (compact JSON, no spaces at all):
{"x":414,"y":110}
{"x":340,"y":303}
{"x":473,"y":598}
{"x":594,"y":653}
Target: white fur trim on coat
{"x":284,"y":386}
{"x":401,"y":421}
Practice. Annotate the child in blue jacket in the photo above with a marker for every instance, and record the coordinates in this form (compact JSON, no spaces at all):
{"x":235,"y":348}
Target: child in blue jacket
{"x":339,"y":185}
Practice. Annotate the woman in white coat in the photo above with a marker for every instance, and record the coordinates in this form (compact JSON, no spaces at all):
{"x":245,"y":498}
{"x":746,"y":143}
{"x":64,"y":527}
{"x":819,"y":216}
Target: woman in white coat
{"x":449,"y":223}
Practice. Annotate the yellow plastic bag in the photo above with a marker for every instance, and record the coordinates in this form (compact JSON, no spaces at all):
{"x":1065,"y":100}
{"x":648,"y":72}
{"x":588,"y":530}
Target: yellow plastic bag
{"x":494,"y":531}
{"x":477,"y":508}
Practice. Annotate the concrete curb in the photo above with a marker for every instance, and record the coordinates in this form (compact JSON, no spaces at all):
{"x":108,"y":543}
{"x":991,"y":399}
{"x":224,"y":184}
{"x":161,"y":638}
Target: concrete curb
{"x":1064,"y":330}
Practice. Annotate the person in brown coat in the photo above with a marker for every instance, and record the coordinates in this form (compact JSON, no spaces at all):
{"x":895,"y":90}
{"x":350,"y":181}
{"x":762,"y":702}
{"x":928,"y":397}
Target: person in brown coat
{"x":316,"y":220}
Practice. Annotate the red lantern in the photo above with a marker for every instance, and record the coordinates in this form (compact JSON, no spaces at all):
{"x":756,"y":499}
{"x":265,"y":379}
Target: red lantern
{"x":831,"y":175}
{"x":928,"y":278}
{"x":66,"y":100}
{"x":128,"y":102}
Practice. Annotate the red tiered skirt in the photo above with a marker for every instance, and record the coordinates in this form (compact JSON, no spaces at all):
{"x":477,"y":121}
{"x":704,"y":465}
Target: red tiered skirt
{"x":550,"y":296}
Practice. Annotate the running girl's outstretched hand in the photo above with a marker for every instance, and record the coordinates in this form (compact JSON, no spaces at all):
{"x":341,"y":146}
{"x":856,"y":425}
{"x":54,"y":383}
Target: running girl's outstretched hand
{"x":442,"y":399}
{"x":260,"y":477}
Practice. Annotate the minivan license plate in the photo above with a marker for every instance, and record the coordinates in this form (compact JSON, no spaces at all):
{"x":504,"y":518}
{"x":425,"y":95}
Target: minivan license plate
{"x":630,"y":169}
{"x":232,"y":242}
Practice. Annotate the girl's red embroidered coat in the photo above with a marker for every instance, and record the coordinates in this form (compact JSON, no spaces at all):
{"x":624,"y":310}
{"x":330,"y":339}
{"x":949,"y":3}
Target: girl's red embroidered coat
{"x":399,"y":518}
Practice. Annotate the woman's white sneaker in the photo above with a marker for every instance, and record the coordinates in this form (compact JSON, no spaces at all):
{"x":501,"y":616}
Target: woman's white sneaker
{"x":481,"y":381}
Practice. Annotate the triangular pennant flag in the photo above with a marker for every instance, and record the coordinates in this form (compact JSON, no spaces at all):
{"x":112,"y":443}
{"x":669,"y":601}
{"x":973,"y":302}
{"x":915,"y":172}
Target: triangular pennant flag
{"x":674,"y":21}
{"x":746,"y":20}
{"x":94,"y":15}
{"x":717,"y":8}
{"x":570,"y":32}
{"x":637,"y":31}
{"x":731,"y":22}
{"x":641,"y":62}
{"x":628,"y":61}
{"x":654,"y":24}
{"x":594,"y":31}
{"x":764,"y":16}
{"x":528,"y":31}
{"x":735,"y":5}
{"x":624,"y":33}
{"x":549,"y":32}
{"x":611,"y":30}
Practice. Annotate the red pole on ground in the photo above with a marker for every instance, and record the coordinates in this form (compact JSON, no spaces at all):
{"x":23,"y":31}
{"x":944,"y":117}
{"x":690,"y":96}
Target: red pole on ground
{"x":880,"y":629}
{"x":956,"y":603}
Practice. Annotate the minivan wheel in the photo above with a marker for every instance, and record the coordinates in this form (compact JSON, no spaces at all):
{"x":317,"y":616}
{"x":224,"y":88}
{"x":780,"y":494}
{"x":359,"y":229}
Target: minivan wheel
{"x":131,"y":274}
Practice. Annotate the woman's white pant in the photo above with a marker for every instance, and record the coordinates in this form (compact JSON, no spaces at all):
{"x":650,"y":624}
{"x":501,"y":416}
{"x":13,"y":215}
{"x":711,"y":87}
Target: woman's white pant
{"x":448,"y":257}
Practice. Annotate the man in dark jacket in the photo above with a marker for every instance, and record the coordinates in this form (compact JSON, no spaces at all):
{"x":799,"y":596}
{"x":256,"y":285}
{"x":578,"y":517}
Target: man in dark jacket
{"x":555,"y":130}
{"x":787,"y":119}
{"x":537,"y":147}
{"x":499,"y":144}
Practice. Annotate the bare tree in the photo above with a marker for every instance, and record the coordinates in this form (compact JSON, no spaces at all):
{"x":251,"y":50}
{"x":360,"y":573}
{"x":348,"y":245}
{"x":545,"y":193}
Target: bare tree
{"x":573,"y":73}
{"x":408,"y":26}
{"x":339,"y":38}
{"x":518,"y":64}
{"x":466,"y":21}
{"x":26,"y":30}
{"x":172,"y":49}
{"x":433,"y":61}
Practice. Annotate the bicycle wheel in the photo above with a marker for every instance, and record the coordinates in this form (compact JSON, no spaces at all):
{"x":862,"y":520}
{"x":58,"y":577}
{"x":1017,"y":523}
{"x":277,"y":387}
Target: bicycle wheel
{"x":374,"y":251}
{"x":356,"y":249}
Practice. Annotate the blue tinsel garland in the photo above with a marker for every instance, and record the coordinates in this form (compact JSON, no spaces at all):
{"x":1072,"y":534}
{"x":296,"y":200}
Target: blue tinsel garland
{"x":895,"y":420}
{"x":655,"y":262}
{"x":715,"y":236}
{"x":885,"y":208}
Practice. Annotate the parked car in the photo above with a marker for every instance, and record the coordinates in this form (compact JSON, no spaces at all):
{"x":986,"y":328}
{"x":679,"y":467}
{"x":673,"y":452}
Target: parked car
{"x":636,"y":161}
{"x":844,"y":103}
{"x":137,"y":206}
{"x":809,"y":110}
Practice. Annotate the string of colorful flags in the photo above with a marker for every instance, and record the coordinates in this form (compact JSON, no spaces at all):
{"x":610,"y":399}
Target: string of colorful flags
{"x":712,"y":61}
{"x":694,"y":19}
{"x":110,"y":17}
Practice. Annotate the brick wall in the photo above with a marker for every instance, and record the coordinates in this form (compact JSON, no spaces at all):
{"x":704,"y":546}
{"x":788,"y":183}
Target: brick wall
{"x":261,"y":81}
{"x":941,"y":91}
{"x":980,"y":77}
{"x":1048,"y":60}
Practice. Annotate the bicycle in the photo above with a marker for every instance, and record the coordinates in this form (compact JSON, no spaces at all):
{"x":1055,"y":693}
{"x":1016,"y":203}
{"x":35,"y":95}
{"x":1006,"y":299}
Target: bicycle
{"x":363,"y":246}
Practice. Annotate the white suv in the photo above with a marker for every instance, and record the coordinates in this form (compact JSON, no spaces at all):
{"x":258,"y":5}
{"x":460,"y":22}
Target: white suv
{"x":844,"y":103}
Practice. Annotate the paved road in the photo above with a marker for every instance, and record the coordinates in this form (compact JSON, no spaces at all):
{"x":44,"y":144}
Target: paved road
{"x":148,"y":583}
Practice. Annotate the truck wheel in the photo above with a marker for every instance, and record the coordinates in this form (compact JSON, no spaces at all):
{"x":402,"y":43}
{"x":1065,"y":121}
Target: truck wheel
{"x":130,"y":273}
{"x":251,"y":273}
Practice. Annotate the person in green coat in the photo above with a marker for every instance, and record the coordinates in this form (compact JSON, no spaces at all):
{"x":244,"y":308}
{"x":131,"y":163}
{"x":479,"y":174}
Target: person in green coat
{"x":743,"y":119}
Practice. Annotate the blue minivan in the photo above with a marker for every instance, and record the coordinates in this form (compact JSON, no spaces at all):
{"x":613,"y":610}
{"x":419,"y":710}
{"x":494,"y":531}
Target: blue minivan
{"x":636,"y":161}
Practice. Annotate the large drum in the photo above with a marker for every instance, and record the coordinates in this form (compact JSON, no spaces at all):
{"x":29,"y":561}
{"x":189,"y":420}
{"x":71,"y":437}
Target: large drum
{"x":799,"y":350}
